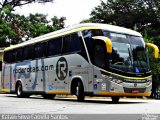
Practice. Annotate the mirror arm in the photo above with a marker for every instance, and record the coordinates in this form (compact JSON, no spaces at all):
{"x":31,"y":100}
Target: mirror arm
{"x":107,"y":41}
{"x":156,"y":49}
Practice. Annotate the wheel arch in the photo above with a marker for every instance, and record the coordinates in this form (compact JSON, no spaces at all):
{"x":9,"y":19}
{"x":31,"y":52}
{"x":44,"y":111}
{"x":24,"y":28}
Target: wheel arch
{"x":74,"y":83}
{"x":17,"y":82}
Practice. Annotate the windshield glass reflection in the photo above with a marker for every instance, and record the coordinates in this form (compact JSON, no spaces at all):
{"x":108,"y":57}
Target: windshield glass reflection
{"x":128,"y":54}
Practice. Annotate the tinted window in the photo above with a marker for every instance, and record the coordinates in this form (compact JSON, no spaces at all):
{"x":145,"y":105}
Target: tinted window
{"x":99,"y":54}
{"x":91,"y":33}
{"x":19,"y":54}
{"x":75,"y":44}
{"x":28,"y":52}
{"x":39,"y":50}
{"x":66,"y":44}
{"x":89,"y":43}
{"x":55,"y":46}
{"x":87,"y":35}
{"x":7,"y":56}
{"x":14,"y":56}
{"x":71,"y":43}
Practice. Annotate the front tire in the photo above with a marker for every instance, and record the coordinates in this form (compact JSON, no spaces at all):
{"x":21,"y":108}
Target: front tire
{"x":80,"y":92}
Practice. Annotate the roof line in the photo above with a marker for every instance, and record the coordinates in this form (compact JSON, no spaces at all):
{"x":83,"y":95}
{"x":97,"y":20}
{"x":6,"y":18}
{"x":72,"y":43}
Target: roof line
{"x":76,"y":28}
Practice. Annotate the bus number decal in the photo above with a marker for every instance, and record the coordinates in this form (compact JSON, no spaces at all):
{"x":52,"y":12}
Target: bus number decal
{"x":62,"y":68}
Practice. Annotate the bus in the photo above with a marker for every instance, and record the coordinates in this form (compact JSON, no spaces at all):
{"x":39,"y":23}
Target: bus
{"x":87,"y":59}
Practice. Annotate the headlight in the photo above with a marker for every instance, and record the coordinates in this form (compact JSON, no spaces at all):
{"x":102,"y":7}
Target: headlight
{"x":117,"y":81}
{"x":149,"y":79}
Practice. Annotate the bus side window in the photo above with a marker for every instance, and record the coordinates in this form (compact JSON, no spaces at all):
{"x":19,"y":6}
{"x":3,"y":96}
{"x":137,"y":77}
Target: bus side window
{"x":28,"y":52}
{"x":87,"y":34}
{"x":82,"y":52}
{"x":71,"y":43}
{"x":14,"y":55}
{"x":66,"y":44}
{"x":75,"y":43}
{"x":7,"y":56}
{"x":99,"y":58}
{"x":54,"y":47}
{"x":17,"y":55}
{"x":40,"y":50}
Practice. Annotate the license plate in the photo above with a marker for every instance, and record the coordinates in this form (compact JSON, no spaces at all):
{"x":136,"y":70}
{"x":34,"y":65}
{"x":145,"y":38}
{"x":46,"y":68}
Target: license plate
{"x":135,"y":91}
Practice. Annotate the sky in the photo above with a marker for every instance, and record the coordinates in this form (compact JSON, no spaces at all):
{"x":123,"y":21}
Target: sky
{"x":74,"y":10}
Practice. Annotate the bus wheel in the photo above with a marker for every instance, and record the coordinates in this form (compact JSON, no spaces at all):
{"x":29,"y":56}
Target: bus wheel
{"x":80,"y":92}
{"x":19,"y":90}
{"x":49,"y":96}
{"x":115,"y":99}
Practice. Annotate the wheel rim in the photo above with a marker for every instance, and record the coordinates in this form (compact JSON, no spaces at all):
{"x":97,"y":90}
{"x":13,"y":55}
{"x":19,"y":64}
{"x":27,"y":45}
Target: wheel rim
{"x":19,"y":90}
{"x":77,"y":90}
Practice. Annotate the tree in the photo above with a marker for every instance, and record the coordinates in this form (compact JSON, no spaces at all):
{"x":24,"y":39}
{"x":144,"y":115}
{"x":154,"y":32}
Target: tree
{"x":38,"y":24}
{"x":15,"y":3}
{"x":15,"y":28}
{"x":6,"y":29}
{"x":12,"y":29}
{"x":141,"y":15}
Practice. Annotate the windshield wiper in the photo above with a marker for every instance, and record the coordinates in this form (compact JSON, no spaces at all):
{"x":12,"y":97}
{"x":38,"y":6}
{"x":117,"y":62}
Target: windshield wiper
{"x":130,"y":57}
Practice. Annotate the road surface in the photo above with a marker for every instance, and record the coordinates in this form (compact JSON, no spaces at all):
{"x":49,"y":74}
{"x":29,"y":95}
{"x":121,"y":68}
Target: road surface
{"x":10,"y":104}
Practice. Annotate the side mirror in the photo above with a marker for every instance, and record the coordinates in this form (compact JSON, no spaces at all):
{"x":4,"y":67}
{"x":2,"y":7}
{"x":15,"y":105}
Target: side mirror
{"x":156,"y":49}
{"x":107,"y":42}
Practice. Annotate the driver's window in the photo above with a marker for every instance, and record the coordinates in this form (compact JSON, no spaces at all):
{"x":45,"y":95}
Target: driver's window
{"x":89,"y":41}
{"x":99,"y":58}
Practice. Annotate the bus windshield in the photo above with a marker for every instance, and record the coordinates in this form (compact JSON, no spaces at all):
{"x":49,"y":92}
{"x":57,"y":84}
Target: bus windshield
{"x":129,"y":54}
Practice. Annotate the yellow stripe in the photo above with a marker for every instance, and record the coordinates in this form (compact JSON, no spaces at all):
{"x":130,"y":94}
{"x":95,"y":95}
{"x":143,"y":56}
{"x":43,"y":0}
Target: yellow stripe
{"x":58,"y":92}
{"x":3,"y":57}
{"x":136,"y":78}
{"x":40,"y":39}
{"x":123,"y":94}
{"x":5,"y":90}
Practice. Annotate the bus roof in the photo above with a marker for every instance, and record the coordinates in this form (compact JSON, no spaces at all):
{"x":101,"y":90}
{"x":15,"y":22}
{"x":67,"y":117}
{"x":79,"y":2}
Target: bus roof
{"x":76,"y":28}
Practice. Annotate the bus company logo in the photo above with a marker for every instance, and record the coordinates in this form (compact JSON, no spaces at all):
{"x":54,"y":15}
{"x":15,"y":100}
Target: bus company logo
{"x":135,"y":84}
{"x":62,"y":68}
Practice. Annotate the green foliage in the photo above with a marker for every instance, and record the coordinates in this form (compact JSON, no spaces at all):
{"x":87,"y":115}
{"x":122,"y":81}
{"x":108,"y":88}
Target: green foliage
{"x":15,"y":3}
{"x":141,"y":15}
{"x":15,"y":28}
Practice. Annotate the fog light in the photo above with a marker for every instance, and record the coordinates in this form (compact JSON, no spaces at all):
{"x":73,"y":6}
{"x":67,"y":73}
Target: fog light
{"x":148,"y":83}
